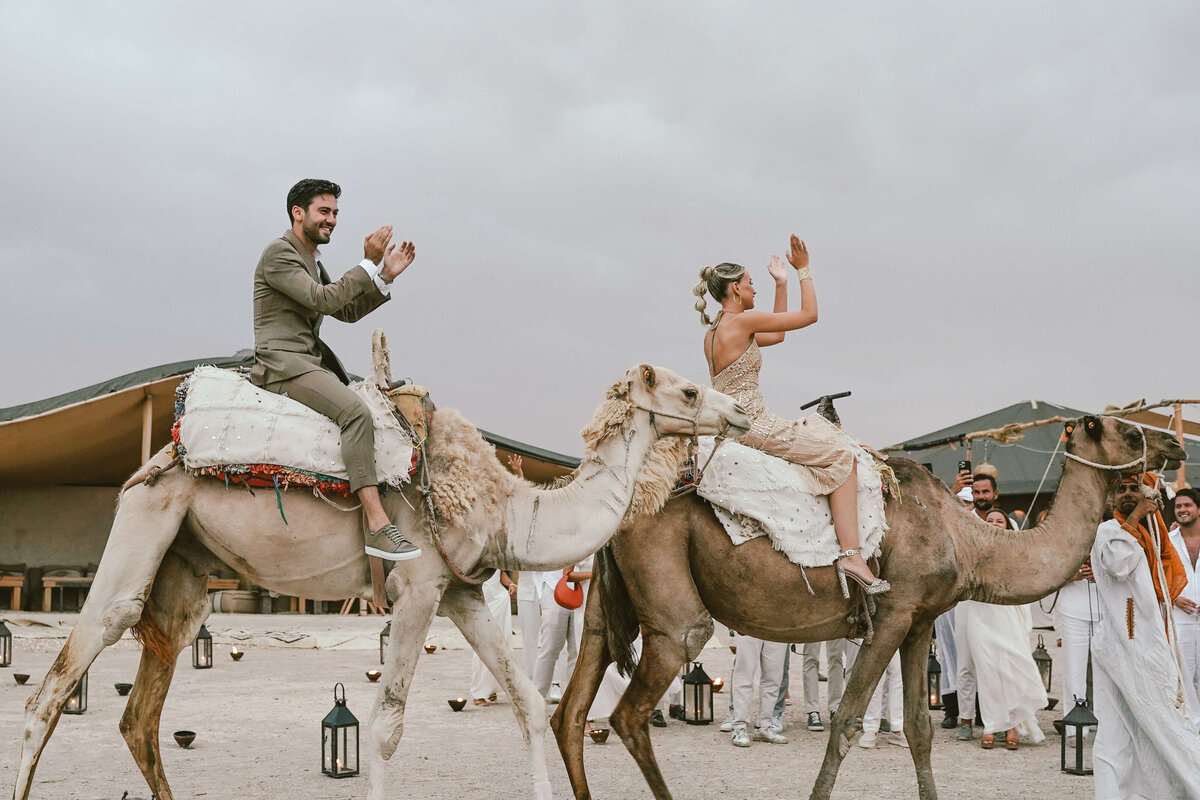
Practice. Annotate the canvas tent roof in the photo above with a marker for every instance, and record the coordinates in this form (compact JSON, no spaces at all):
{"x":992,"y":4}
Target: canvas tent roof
{"x":93,"y":435}
{"x":1022,"y":463}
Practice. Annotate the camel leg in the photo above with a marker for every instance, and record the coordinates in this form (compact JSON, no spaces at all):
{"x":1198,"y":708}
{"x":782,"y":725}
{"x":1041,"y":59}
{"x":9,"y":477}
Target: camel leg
{"x":916,"y":714}
{"x":466,"y":608}
{"x":177,"y":606}
{"x":147,"y":521}
{"x":846,"y":722}
{"x":413,"y":611}
{"x":661,"y":660}
{"x":570,"y":717}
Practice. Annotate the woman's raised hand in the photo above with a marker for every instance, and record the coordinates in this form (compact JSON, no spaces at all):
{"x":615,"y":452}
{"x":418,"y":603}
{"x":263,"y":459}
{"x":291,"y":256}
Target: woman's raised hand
{"x":799,"y":255}
{"x":775,"y":267}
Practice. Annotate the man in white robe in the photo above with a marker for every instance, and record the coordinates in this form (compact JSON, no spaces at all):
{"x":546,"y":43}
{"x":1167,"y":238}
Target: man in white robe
{"x":1186,"y":539}
{"x":1146,"y":745}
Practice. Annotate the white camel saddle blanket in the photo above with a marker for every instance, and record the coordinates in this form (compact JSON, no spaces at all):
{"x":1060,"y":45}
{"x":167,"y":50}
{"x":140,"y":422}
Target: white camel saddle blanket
{"x":755,"y":494}
{"x":226,"y":426}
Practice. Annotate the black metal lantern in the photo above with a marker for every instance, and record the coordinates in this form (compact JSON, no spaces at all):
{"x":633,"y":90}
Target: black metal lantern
{"x":385,"y":636}
{"x":933,"y":670}
{"x":5,"y":645}
{"x":1078,"y":736}
{"x":697,"y":696}
{"x":202,"y":650}
{"x":77,"y":700}
{"x":339,"y":739}
{"x":1045,"y":665}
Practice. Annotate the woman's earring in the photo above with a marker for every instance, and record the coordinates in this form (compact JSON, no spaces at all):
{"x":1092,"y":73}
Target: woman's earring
{"x":739,"y":299}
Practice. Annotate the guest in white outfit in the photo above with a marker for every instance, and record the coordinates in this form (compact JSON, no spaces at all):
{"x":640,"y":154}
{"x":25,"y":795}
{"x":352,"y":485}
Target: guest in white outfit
{"x":1146,"y":744}
{"x":560,"y":626}
{"x":498,"y":592}
{"x":529,"y":595}
{"x":1186,"y":539}
{"x":761,"y":661}
{"x":993,"y":649}
{"x":1077,"y":618}
{"x":835,"y":654}
{"x":889,"y":685}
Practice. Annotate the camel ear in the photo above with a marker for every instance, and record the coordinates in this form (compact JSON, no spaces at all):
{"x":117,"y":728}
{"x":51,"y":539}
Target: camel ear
{"x":1091,"y":425}
{"x":1068,"y":429}
{"x":648,"y":377}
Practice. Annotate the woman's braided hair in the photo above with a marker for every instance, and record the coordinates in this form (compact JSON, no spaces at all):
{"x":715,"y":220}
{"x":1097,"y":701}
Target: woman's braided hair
{"x":716,"y":280}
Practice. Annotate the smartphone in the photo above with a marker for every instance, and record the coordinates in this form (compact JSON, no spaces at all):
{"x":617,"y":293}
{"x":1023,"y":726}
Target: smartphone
{"x":964,"y":465}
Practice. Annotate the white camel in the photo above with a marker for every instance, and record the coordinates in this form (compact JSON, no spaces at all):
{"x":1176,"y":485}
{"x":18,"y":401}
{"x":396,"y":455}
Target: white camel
{"x":168,"y":537}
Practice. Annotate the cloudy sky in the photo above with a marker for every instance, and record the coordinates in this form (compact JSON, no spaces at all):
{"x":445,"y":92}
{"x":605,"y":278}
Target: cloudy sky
{"x":1001,"y":201}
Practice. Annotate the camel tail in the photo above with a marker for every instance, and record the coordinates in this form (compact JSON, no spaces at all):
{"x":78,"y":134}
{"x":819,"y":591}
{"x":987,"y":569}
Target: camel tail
{"x":147,"y":632}
{"x":621,"y":623}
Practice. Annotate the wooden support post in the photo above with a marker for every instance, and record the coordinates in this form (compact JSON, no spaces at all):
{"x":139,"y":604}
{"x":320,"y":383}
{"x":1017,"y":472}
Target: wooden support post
{"x":1181,"y":475}
{"x":147,"y":425}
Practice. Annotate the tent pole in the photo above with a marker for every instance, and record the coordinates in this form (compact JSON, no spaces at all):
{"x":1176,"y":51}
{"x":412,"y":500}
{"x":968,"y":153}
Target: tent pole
{"x":1181,"y":475}
{"x":147,"y":426}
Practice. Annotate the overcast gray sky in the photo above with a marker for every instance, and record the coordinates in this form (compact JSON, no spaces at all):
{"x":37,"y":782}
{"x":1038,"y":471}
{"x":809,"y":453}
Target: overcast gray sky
{"x":1001,"y":200}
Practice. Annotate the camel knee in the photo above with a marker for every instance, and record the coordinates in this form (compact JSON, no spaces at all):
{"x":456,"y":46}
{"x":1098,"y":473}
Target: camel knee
{"x":119,"y":617}
{"x":696,"y":637}
{"x":386,"y":729}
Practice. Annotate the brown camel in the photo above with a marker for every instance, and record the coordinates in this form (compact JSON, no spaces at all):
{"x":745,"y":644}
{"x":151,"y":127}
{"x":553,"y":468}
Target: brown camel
{"x":167,"y":537}
{"x":673,"y":573}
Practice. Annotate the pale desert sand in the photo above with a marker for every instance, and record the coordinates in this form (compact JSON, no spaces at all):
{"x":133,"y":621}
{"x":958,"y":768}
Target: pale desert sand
{"x":258,"y":724}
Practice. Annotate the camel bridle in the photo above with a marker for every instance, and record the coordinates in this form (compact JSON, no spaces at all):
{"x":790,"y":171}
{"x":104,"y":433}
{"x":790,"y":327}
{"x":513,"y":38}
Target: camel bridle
{"x":694,"y":438}
{"x":1116,"y":467}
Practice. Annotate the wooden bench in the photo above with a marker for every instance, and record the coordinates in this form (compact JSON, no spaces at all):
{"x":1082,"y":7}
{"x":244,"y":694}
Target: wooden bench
{"x":49,"y":584}
{"x":16,"y":583}
{"x":221,"y":584}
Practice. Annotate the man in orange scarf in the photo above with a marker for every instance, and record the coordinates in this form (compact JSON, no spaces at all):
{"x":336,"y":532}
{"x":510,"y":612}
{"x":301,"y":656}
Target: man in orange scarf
{"x":1146,"y":741}
{"x":1137,"y":512}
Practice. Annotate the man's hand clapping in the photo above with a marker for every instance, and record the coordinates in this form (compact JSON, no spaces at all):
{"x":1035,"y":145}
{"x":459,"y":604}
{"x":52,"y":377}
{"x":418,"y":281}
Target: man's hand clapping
{"x":376,"y":243}
{"x":397,"y":260}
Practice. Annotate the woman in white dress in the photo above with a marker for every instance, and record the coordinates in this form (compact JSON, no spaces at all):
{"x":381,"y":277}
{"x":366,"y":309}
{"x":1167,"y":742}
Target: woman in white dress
{"x":993,"y":650}
{"x":818,"y":447}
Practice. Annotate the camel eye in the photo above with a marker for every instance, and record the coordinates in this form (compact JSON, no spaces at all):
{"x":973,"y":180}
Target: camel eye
{"x":690,"y":393}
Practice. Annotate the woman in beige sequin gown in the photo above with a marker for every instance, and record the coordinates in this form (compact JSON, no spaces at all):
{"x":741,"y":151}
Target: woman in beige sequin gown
{"x":731,"y":346}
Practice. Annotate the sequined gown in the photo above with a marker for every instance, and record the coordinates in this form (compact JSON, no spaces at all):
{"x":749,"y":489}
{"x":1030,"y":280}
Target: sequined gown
{"x":814,"y":443}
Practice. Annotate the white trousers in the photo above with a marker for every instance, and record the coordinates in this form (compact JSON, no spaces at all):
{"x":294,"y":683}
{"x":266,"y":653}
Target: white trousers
{"x":835,"y":652}
{"x":947,"y":654}
{"x":559,"y":626}
{"x":762,"y":661}
{"x":1189,"y":648}
{"x":483,"y":683}
{"x":529,"y":616}
{"x":891,"y":685}
{"x":1076,"y":642}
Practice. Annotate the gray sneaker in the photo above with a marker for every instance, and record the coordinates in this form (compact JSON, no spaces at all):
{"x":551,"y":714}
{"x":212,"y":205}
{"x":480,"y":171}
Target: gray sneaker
{"x":814,"y":721}
{"x":965,"y":732}
{"x":740,"y":739}
{"x":727,"y":725}
{"x":769,"y":734}
{"x":389,"y":544}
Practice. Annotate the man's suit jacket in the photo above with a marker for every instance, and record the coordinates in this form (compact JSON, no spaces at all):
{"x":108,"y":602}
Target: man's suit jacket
{"x":292,"y":293}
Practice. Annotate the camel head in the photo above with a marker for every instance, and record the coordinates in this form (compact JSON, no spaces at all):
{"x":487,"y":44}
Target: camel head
{"x":676,"y":406}
{"x":1114,"y":442}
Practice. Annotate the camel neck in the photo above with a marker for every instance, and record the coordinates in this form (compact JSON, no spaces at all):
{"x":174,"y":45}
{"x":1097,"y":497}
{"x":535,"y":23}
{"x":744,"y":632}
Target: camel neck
{"x":552,"y":527}
{"x":1013,"y":567}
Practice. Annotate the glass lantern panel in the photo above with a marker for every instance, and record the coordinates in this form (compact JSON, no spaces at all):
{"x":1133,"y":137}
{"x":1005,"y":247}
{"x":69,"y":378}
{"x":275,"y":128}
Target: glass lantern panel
{"x":935,"y":692}
{"x":327,"y":751}
{"x":349,"y":751}
{"x":706,"y":698}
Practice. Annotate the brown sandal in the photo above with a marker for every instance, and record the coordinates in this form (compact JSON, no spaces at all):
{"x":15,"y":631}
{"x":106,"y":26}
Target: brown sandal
{"x":1010,"y":740}
{"x":479,"y":701}
{"x":987,"y":741}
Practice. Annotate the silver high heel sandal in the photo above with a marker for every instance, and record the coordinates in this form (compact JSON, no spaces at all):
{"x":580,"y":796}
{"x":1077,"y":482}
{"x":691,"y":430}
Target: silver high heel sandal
{"x":877,"y":586}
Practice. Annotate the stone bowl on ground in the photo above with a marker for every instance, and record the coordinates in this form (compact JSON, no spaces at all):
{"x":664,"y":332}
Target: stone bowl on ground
{"x":185,"y":738}
{"x":373,"y":675}
{"x":122,"y":688}
{"x":20,"y":678}
{"x":599,"y":735}
{"x":457,"y":705}
{"x":431,"y":648}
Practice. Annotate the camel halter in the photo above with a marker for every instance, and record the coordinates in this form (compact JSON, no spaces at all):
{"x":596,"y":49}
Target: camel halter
{"x":1116,"y":467}
{"x":694,"y":439}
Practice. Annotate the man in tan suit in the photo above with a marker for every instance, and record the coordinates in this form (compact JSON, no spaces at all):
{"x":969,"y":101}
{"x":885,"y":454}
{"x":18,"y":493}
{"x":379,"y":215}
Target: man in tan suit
{"x":292,"y":293}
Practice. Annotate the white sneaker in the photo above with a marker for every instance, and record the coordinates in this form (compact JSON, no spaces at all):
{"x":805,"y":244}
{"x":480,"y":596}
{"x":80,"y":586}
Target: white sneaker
{"x":555,"y":694}
{"x":897,"y":738}
{"x":739,"y":738}
{"x":867,"y":741}
{"x":768,"y":734}
{"x":776,"y":724}
{"x":727,"y":725}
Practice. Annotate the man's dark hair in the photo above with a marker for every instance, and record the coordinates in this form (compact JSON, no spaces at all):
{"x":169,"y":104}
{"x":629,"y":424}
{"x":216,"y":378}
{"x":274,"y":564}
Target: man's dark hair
{"x":1189,"y":493}
{"x":303,"y":192}
{"x":983,"y":476}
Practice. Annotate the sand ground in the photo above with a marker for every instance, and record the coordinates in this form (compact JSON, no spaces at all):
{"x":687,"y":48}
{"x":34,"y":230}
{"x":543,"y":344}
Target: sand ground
{"x":258,"y":726}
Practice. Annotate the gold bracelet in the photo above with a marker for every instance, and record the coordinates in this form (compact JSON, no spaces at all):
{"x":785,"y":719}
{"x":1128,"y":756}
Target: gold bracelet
{"x":804,"y":274}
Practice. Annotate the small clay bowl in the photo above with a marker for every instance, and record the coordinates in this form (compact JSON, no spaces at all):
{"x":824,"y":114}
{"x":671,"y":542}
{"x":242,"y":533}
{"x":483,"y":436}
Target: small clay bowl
{"x":236,"y":655}
{"x":599,"y":735}
{"x":20,"y":678}
{"x":122,"y":688}
{"x":184,"y":738}
{"x":458,"y":704}
{"x":718,"y":685}
{"x":431,"y":648}
{"x":373,"y":675}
